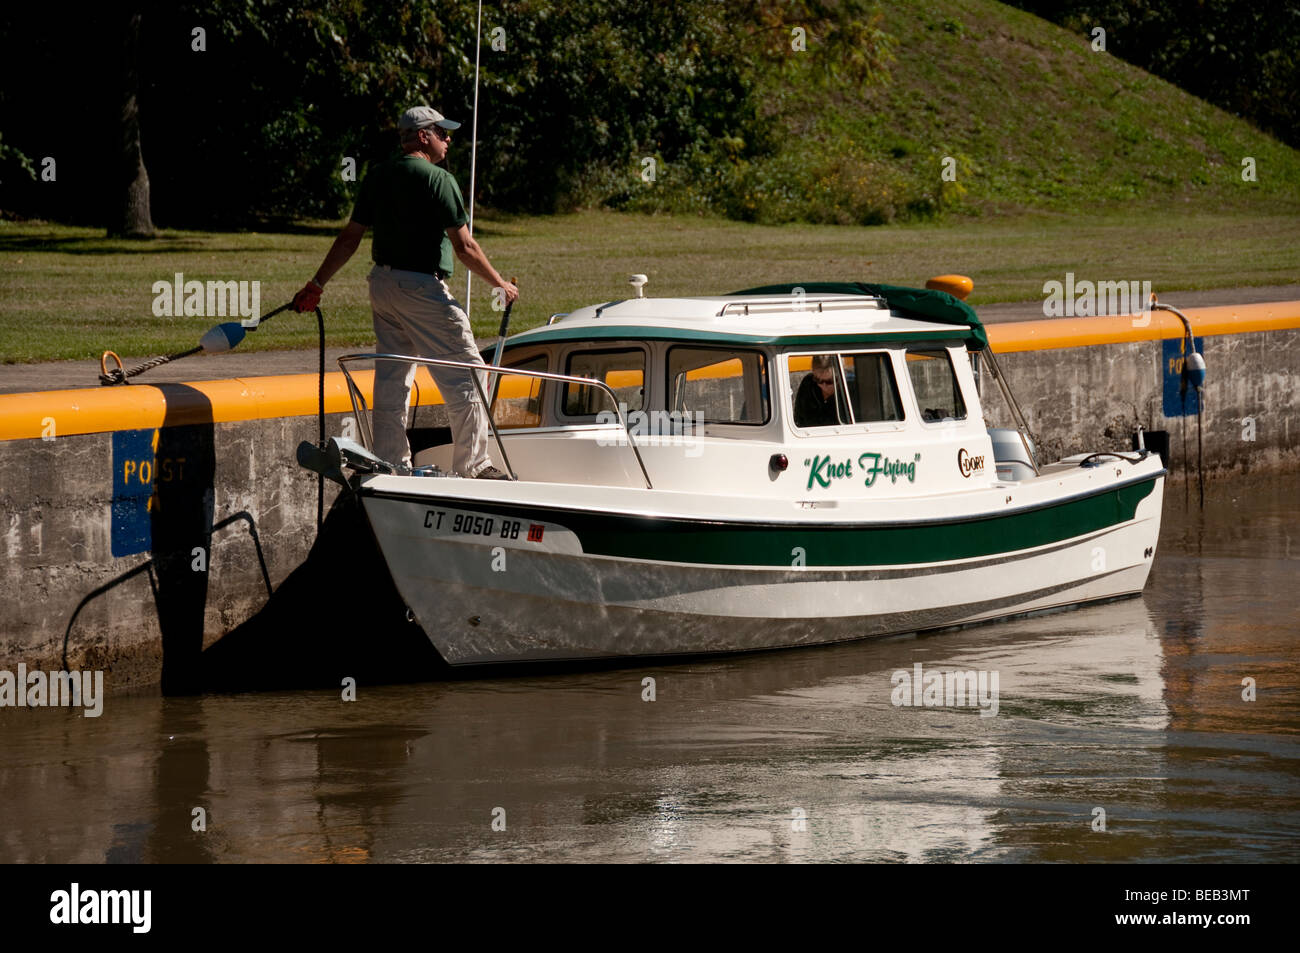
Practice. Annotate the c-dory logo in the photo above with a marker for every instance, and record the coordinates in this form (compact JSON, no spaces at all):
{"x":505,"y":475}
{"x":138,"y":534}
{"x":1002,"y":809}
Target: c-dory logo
{"x":822,"y":470}
{"x":969,"y":464}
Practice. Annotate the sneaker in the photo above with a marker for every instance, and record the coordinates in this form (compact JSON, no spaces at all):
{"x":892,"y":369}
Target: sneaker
{"x":491,"y":473}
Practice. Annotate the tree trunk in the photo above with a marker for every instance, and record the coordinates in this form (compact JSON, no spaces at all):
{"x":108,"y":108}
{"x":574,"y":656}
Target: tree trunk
{"x":131,"y":216}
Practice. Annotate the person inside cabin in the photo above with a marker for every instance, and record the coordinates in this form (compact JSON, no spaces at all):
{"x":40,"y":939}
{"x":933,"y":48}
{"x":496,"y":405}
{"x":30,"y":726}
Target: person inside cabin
{"x":814,"y":404}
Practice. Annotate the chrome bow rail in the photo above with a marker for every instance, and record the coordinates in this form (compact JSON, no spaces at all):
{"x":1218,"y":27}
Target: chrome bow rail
{"x":360,"y":407}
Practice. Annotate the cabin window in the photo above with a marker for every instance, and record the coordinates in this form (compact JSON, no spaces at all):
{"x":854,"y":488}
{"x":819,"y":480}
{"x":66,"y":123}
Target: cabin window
{"x":519,"y":399}
{"x":873,"y":392}
{"x":938,"y":395}
{"x":623,"y":371}
{"x":718,"y":386}
{"x":834,"y":389}
{"x":818,"y":387}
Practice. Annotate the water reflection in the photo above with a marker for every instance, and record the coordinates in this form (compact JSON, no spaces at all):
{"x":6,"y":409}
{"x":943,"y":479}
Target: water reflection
{"x":1134,"y":707}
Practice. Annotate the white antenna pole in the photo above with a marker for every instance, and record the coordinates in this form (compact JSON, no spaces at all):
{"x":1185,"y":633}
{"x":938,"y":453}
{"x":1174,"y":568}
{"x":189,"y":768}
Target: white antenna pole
{"x":473,"y":150}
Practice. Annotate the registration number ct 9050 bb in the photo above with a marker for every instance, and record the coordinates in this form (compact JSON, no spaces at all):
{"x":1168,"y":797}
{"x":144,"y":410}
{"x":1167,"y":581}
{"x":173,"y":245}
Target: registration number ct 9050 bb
{"x":470,"y":525}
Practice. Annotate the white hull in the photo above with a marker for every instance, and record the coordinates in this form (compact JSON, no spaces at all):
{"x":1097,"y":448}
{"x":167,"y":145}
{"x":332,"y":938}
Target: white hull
{"x":759,"y":511}
{"x":483,"y":599}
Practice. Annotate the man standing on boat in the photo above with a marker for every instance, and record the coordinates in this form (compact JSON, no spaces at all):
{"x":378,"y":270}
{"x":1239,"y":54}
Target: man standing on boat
{"x":419,"y":220}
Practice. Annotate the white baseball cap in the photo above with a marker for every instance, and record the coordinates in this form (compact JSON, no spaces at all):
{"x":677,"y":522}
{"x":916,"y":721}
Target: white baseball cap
{"x":422,"y":117}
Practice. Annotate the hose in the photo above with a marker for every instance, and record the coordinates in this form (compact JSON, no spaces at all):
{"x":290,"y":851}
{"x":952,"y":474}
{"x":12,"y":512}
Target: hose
{"x":320,"y":416}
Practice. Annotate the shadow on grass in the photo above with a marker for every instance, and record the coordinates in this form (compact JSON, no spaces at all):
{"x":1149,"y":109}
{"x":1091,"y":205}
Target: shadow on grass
{"x":490,"y":223}
{"x":280,"y":227}
{"x":99,"y":246}
{"x":163,"y":243}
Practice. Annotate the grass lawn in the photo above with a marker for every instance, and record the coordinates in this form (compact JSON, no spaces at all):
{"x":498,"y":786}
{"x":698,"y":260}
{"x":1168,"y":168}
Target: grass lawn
{"x":71,"y":293}
{"x":1022,"y":115}
{"x":1037,"y":119}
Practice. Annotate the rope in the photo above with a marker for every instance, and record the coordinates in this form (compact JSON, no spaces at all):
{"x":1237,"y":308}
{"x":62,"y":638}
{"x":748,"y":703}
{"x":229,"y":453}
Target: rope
{"x":118,"y":376}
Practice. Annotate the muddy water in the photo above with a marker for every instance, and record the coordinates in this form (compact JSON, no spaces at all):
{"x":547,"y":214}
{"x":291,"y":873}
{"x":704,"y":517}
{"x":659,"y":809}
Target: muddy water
{"x":1134,"y":709}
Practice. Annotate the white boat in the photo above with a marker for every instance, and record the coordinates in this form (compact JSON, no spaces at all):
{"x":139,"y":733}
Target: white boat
{"x":667,"y":500}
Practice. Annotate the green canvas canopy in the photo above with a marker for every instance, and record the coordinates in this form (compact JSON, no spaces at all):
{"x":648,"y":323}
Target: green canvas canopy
{"x":919,"y":303}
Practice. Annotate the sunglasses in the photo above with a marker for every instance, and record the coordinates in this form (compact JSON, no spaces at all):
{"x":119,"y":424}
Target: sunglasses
{"x":824,"y":381}
{"x":441,"y":133}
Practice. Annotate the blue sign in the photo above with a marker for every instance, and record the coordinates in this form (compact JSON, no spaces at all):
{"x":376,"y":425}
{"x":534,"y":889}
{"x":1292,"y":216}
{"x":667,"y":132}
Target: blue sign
{"x":1178,"y":404}
{"x":133,"y":486}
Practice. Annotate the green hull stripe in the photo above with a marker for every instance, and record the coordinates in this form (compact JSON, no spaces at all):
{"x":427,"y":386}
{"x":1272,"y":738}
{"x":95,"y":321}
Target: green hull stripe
{"x":756,"y":544}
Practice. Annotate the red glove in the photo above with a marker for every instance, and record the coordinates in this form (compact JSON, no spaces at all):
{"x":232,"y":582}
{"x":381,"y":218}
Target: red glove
{"x":308,"y":298}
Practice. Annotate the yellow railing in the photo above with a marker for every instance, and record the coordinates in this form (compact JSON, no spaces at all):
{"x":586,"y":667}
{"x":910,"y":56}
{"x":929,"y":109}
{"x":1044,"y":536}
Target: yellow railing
{"x":141,"y":406}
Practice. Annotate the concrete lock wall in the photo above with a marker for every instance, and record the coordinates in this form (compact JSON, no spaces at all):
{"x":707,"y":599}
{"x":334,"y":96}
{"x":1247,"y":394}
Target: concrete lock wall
{"x":118,"y":542}
{"x":142,"y":524}
{"x":1093,"y":398}
{"x":1085,"y":385}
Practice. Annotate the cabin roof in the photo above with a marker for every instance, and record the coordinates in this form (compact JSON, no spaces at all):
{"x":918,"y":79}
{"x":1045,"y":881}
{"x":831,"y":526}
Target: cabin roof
{"x":777,"y":314}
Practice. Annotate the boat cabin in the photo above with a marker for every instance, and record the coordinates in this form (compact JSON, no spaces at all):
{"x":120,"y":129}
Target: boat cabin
{"x":807,"y":397}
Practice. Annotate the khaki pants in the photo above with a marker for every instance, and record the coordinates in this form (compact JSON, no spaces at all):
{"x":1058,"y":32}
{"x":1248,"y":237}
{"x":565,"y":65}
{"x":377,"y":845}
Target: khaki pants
{"x":416,"y":314}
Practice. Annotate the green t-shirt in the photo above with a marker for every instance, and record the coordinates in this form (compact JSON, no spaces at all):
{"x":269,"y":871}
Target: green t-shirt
{"x":410,"y":203}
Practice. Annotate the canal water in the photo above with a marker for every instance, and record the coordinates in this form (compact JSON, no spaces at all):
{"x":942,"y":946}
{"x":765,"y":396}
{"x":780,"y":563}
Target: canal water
{"x":1165,"y":728}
